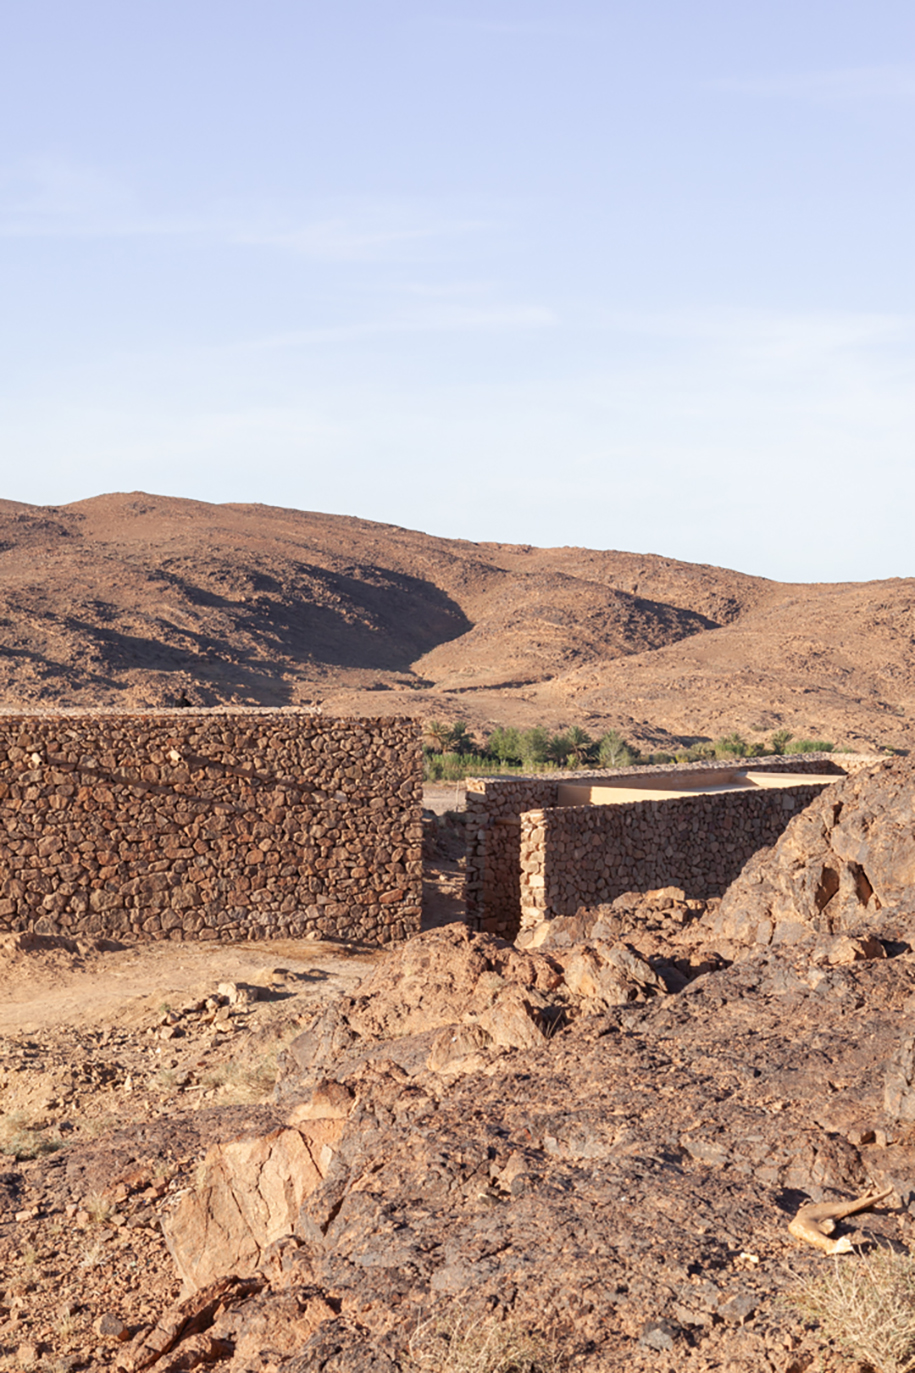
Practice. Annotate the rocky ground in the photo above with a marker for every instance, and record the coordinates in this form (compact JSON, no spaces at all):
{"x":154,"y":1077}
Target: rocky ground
{"x":337,"y":1159}
{"x":118,"y":1067}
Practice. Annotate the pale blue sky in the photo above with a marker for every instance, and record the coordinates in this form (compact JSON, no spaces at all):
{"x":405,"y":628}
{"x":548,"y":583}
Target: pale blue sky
{"x":628,"y":275}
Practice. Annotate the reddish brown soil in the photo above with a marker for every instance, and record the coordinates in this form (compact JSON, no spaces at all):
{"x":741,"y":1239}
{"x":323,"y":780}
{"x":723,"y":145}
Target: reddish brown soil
{"x":137,"y":600}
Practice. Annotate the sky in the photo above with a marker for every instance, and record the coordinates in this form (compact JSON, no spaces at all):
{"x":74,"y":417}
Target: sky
{"x":602,"y":273}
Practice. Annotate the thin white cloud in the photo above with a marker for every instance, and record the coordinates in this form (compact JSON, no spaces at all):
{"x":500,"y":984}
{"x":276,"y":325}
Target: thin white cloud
{"x":343,"y":239}
{"x":457,"y":319}
{"x":47,"y":198}
{"x":766,"y":330}
{"x":891,"y":82}
{"x":53,"y":199}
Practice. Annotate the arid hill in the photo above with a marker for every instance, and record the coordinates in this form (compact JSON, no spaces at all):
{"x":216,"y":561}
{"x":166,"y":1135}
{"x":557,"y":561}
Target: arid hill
{"x":134,"y":600}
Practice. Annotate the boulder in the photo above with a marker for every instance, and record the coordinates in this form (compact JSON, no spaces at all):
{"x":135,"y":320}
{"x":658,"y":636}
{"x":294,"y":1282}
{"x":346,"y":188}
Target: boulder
{"x":844,"y":865}
{"x":432,"y":983}
{"x":450,"y":1000}
{"x":248,"y":1195}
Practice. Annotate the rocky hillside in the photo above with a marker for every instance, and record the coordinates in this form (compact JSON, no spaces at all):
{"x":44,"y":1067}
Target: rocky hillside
{"x":135,"y":599}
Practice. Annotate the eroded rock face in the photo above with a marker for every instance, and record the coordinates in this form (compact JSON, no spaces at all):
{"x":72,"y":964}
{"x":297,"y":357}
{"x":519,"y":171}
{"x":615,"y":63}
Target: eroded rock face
{"x":632,"y":1171}
{"x":248,"y":1195}
{"x":450,"y":999}
{"x":846,"y":863}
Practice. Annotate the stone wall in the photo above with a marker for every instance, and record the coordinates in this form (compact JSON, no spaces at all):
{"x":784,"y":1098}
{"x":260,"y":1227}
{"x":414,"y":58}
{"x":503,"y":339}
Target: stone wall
{"x":576,"y":856}
{"x":496,"y":806}
{"x":196,"y":824}
{"x":492,"y":886}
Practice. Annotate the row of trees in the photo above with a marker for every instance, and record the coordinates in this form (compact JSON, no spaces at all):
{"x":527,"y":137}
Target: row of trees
{"x":572,"y":748}
{"x":452,"y":750}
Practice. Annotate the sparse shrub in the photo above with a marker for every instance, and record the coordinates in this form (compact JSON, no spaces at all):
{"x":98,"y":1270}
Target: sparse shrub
{"x":462,"y":1344}
{"x":731,"y":745}
{"x":98,"y":1207}
{"x":697,"y":753}
{"x":534,"y":746}
{"x":809,"y":746}
{"x":439,"y":738}
{"x":581,"y":747}
{"x":165,"y":1081}
{"x":866,"y":1304}
{"x":21,"y":1141}
{"x":450,"y":752}
{"x":558,"y":748}
{"x":243,"y":1081}
{"x":461,"y":741}
{"x":93,"y":1256}
{"x":65,"y":1327}
{"x":614,"y":752}
{"x":505,"y":745}
{"x":436,"y":736}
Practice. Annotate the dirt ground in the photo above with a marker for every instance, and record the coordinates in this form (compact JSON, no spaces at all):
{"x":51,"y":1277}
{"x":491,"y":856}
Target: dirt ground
{"x":119,"y":1066}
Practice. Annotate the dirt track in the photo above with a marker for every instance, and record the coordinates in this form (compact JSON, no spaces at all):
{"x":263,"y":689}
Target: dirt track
{"x":52,"y":987}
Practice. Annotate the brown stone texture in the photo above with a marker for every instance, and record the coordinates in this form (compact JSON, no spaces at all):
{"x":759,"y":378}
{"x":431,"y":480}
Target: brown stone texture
{"x":446,"y":994}
{"x":493,"y":821}
{"x":210,"y":825}
{"x":529,"y":859}
{"x":248,"y":1196}
{"x":845,"y":863}
{"x":575,"y":856}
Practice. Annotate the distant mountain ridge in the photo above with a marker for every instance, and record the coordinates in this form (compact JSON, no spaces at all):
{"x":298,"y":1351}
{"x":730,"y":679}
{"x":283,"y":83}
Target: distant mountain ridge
{"x":137,"y":600}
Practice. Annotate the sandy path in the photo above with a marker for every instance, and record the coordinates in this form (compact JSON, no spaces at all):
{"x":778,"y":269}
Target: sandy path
{"x":47,"y":988}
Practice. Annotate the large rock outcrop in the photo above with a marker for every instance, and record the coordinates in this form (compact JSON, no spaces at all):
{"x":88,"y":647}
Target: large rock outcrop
{"x":448,"y":1003}
{"x":446,"y":997}
{"x":846,"y":864}
{"x":622,"y":1180}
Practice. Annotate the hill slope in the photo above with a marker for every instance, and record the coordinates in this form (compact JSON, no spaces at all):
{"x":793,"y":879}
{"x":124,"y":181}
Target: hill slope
{"x":133,"y":600}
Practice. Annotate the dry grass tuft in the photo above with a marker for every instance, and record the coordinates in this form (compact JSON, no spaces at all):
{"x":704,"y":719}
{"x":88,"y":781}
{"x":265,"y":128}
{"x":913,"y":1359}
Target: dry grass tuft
{"x":461,"y":1344}
{"x":243,"y":1082}
{"x":98,"y":1207}
{"x":93,"y":1256}
{"x":866,"y":1304}
{"x":20,"y":1140}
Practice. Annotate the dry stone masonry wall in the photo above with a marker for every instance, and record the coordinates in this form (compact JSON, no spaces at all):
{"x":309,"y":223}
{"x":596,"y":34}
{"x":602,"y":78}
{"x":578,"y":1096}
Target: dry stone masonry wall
{"x":529,"y":859}
{"x":493,"y":819}
{"x":195,"y":824}
{"x":577,"y":856}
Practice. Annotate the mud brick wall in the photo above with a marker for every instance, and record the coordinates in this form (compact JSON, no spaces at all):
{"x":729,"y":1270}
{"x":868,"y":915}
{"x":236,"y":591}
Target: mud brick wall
{"x":495,"y":806}
{"x":576,"y":856}
{"x":203,"y":824}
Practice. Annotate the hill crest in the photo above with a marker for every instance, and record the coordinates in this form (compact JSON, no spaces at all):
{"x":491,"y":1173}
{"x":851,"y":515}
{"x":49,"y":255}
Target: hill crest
{"x":136,"y":600}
